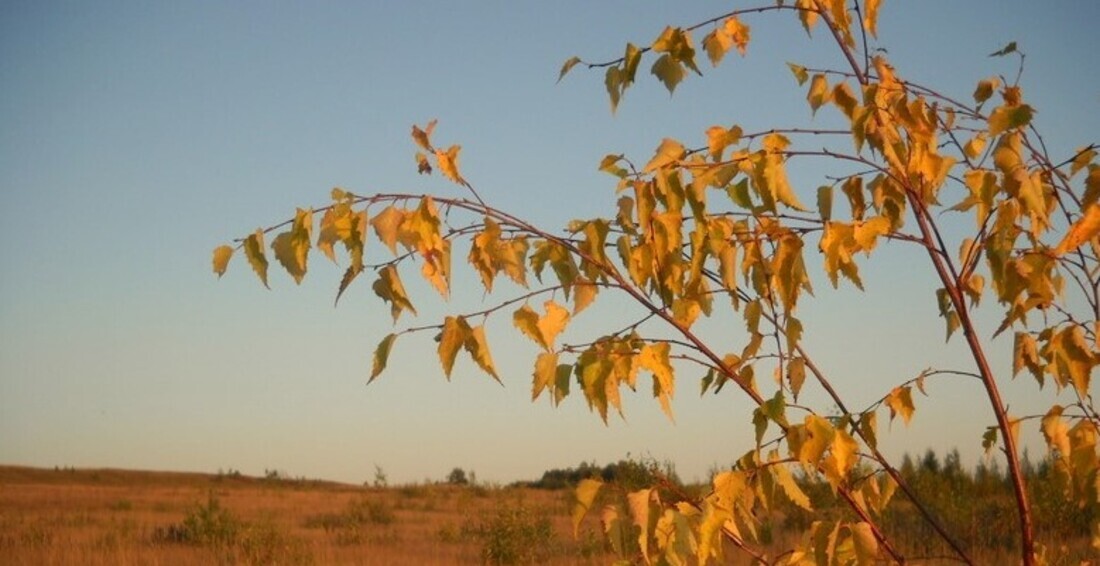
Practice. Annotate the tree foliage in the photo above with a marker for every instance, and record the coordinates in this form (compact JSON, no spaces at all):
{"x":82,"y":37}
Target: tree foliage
{"x":713,"y":226}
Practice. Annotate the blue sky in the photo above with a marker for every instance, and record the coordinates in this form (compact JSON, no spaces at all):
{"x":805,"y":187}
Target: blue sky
{"x":136,"y":136}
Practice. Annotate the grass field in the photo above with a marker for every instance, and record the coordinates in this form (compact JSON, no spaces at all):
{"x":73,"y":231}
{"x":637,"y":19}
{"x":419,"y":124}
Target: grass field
{"x":126,"y":517}
{"x":117,"y":517}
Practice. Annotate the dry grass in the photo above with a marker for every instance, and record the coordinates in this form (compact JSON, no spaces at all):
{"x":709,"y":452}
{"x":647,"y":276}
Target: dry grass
{"x":121,"y":517}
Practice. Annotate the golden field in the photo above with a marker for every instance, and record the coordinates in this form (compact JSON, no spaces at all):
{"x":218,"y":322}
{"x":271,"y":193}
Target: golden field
{"x":161,"y":518}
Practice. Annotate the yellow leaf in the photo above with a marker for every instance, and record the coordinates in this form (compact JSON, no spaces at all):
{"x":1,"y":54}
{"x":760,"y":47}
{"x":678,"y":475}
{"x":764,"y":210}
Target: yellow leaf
{"x":975,"y":146}
{"x":985,"y":89}
{"x":819,"y":92}
{"x":1056,"y":432}
{"x":381,"y":356}
{"x":292,"y":247}
{"x":254,"y":251}
{"x":221,"y":259}
{"x":900,"y":401}
{"x":448,"y":163}
{"x":668,"y":153}
{"x":668,"y":71}
{"x":451,"y":338}
{"x":790,"y":487}
{"x":583,"y":497}
{"x":654,"y":358}
{"x":718,"y":138}
{"x":584,"y":292}
{"x":1085,"y":229}
{"x":866,"y":545}
{"x":867,"y":233}
{"x":546,"y":368}
{"x":1005,"y":118}
{"x":386,"y":224}
{"x":478,"y":348}
{"x":552,"y":323}
{"x":870,"y":17}
{"x":799,"y":72}
{"x":807,"y":13}
{"x":390,"y":289}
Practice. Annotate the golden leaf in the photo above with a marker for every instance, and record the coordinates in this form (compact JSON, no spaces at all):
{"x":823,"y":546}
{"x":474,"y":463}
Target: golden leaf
{"x":1084,"y":229}
{"x":222,"y":254}
{"x":583,"y":497}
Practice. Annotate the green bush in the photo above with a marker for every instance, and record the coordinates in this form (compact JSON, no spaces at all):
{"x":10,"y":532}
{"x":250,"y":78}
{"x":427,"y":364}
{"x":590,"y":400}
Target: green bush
{"x":514,"y":535}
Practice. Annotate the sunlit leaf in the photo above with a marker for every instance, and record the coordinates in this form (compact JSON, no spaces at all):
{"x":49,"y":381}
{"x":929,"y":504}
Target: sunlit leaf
{"x":900,"y":402}
{"x":669,"y":152}
{"x":583,"y":497}
{"x":448,"y":163}
{"x":478,"y":348}
{"x":1084,"y":229}
{"x":254,"y":251}
{"x":222,"y":254}
{"x":800,"y":73}
{"x":381,"y":356}
{"x":819,"y":92}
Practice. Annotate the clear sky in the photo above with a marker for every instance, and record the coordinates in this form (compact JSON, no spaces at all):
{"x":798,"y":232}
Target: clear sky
{"x":136,"y":136}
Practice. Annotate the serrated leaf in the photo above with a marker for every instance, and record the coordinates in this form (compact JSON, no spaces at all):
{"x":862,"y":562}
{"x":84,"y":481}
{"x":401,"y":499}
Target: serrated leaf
{"x":1083,"y":230}
{"x":451,"y":338}
{"x":386,"y":225}
{"x":668,"y":71}
{"x":900,"y":402}
{"x":569,"y":64}
{"x":669,"y":152}
{"x":254,"y":251}
{"x":390,"y":289}
{"x":292,"y":247}
{"x":785,"y":480}
{"x":381,"y":356}
{"x":1056,"y":432}
{"x":584,"y":293}
{"x":222,"y":254}
{"x":796,"y":375}
{"x":974,"y":147}
{"x":985,"y":89}
{"x":478,"y":348}
{"x":583,"y":497}
{"x":654,"y":358}
{"x":448,"y":163}
{"x":546,"y":368}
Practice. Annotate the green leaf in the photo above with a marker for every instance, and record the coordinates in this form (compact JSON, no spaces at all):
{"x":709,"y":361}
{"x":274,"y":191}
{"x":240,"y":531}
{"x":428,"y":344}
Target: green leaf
{"x":1010,"y":48}
{"x":222,"y":254}
{"x":569,"y":64}
{"x":381,"y":356}
{"x":583,"y":497}
{"x":254,"y":251}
